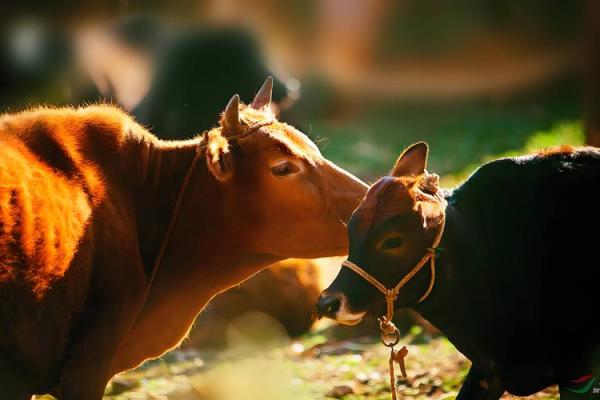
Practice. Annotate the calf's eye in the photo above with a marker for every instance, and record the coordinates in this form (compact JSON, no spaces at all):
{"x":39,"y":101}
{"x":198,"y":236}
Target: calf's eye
{"x":284,"y":168}
{"x":391,"y":243}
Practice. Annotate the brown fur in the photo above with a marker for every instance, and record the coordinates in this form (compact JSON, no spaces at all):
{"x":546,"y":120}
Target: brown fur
{"x":400,"y":195}
{"x":562,"y":149}
{"x":49,"y":189}
{"x":85,"y":197}
{"x":285,"y":291}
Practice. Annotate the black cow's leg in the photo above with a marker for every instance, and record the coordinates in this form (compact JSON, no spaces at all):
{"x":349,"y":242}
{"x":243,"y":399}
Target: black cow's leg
{"x":478,"y":386}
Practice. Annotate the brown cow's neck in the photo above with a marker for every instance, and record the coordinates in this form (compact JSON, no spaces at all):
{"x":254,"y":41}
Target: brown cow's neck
{"x":163,"y":172}
{"x":204,"y":234}
{"x":204,"y":255}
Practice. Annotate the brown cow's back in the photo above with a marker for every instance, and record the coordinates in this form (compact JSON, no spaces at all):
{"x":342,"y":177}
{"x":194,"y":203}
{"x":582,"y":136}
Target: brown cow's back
{"x":51,"y":184}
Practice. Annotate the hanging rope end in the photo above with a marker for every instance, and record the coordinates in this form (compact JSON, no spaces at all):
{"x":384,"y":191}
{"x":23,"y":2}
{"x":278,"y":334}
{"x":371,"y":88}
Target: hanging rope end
{"x":399,"y":356}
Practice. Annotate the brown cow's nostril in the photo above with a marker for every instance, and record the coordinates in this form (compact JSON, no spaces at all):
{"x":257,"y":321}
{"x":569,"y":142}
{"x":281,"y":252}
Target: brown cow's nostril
{"x":328,"y":305}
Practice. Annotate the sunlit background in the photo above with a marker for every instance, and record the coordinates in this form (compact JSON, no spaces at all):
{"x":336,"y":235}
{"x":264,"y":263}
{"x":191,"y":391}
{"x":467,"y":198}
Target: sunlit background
{"x":477,"y":79}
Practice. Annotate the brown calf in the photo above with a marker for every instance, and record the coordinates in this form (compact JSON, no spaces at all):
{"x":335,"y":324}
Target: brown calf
{"x":85,"y":199}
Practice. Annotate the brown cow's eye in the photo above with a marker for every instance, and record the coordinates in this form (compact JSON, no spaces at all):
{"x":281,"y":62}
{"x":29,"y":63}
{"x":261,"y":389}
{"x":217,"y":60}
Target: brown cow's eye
{"x":391,"y":243}
{"x":284,"y":168}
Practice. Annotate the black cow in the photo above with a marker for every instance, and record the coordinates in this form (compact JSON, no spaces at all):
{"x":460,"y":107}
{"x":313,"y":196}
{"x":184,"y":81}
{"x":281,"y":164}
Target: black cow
{"x":517,"y":272}
{"x":192,"y":68}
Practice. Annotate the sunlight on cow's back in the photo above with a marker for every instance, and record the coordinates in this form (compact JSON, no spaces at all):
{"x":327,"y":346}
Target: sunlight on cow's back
{"x":48,"y":189}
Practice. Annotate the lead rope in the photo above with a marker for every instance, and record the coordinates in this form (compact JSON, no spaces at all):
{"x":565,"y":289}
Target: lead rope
{"x":390,"y":335}
{"x":182,"y":190}
{"x":188,"y":176}
{"x":199,"y":148}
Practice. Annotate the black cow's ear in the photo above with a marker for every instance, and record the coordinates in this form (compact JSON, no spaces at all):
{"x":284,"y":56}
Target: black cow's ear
{"x":218,"y":156}
{"x":412,"y":161}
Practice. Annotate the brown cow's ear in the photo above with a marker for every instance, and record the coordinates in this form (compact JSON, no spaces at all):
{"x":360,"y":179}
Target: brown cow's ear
{"x":412,"y":161}
{"x":218,"y":156}
{"x":230,"y":120}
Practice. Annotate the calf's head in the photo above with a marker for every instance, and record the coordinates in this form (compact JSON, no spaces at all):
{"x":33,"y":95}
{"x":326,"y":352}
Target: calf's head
{"x":389,"y":233}
{"x":276,"y":186}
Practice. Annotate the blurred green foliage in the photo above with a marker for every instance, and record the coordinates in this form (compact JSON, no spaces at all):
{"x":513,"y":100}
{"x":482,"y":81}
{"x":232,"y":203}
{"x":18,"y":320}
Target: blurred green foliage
{"x":567,"y":132}
{"x":461,"y":135}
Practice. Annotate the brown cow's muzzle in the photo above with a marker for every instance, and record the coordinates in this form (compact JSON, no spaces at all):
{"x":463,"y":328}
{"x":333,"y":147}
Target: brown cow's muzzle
{"x":347,"y":190}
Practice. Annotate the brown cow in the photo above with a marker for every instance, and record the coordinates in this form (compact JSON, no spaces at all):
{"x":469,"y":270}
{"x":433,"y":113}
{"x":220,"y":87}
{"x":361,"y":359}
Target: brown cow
{"x":86,"y":196}
{"x":286,"y":291}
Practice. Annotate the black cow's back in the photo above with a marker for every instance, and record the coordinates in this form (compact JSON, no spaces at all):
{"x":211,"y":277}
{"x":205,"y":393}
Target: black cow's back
{"x":539,"y":217}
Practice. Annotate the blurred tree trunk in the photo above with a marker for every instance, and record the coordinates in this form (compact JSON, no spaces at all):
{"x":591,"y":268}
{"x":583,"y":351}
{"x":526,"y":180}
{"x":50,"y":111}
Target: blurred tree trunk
{"x":592,"y":72}
{"x":349,"y":33}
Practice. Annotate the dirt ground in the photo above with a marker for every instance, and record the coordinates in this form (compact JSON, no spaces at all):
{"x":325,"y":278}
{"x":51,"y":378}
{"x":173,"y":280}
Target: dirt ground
{"x":311,"y":368}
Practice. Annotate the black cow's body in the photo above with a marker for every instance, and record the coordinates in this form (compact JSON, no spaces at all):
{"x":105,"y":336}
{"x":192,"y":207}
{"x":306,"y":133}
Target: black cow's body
{"x":519,"y":275}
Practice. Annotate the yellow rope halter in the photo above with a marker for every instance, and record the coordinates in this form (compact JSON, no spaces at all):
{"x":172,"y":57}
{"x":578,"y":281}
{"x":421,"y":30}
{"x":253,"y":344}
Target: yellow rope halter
{"x":388,"y":329}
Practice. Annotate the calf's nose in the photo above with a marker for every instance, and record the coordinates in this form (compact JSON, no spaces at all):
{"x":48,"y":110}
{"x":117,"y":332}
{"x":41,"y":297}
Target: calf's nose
{"x":328,"y":305}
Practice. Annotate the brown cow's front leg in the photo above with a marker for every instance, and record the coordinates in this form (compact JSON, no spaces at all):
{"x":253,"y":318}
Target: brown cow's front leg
{"x":13,"y":385}
{"x":478,"y":386}
{"x":117,"y":298}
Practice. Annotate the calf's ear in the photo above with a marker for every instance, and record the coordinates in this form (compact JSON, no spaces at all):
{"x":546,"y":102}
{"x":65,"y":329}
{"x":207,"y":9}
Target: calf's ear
{"x":412,"y":161}
{"x":218,"y":156}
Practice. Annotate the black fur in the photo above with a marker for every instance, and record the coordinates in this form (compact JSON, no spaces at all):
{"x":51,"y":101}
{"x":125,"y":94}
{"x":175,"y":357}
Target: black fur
{"x":519,"y":277}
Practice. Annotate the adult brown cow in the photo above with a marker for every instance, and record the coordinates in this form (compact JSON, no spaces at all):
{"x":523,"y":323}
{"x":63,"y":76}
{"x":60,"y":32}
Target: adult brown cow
{"x":86,"y":196}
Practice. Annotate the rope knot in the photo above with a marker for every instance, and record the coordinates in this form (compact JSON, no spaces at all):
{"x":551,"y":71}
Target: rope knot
{"x":392,"y":294}
{"x":387,"y":326}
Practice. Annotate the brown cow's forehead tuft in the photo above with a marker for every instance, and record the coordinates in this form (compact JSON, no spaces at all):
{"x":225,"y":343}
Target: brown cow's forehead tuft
{"x":294,"y":141}
{"x":249,"y":115}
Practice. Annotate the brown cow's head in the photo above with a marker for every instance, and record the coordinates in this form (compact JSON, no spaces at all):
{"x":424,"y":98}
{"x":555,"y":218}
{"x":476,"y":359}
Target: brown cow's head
{"x":277,"y":186}
{"x":389,"y":233}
